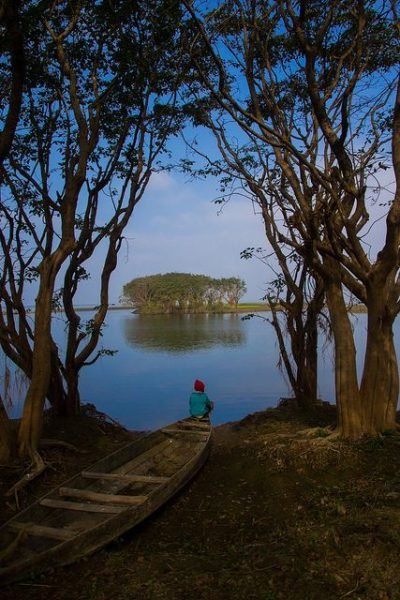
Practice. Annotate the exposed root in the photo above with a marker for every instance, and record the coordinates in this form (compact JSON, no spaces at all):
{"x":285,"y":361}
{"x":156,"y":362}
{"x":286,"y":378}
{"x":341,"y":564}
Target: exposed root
{"x":91,"y":411}
{"x":38,"y":466}
{"x":320,"y":432}
{"x":313,"y":448}
{"x":6,"y":552}
{"x":47,"y":442}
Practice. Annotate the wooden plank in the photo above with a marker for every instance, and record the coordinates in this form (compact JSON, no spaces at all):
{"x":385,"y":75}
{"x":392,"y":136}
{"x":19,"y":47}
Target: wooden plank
{"x":54,"y":533}
{"x":101,"y":497}
{"x":195,"y":423}
{"x":81,"y":506}
{"x":144,"y":457}
{"x":185,"y":431}
{"x":123,"y":477}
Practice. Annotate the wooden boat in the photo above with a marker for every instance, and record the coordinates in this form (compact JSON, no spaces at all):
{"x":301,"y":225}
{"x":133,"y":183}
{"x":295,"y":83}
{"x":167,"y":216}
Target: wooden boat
{"x":103,"y":501}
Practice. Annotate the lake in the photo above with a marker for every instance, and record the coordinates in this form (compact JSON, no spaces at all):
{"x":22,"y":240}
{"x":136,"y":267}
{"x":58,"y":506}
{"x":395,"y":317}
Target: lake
{"x":148,"y":383}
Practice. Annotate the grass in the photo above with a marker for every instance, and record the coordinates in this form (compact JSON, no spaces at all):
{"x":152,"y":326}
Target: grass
{"x":280,"y":511}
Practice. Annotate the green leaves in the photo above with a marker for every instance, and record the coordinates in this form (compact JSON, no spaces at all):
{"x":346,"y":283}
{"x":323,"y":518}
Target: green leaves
{"x":182,"y":292}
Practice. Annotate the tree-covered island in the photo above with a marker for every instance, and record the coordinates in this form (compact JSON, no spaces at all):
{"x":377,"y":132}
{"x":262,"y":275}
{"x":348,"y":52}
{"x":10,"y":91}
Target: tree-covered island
{"x":183,"y":293}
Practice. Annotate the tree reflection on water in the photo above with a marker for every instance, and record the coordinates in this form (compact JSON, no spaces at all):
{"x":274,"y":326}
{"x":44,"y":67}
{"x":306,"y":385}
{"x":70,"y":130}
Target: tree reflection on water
{"x":183,"y":333}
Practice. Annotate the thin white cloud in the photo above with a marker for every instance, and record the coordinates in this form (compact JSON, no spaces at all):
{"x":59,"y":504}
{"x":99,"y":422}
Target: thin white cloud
{"x":160,"y":181}
{"x":181,"y":229}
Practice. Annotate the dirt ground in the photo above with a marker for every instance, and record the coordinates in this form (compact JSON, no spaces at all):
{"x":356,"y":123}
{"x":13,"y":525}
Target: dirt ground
{"x":281,"y":510}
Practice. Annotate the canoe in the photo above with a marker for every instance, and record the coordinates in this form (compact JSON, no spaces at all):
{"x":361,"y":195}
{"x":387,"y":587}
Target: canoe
{"x":103,"y":501}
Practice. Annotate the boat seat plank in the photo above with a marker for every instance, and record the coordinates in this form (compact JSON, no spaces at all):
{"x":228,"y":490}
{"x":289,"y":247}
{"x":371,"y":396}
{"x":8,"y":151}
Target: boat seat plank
{"x":123,"y":477}
{"x":100,"y":497}
{"x":54,"y":533}
{"x":81,"y":506}
{"x":185,"y":431}
{"x":194,"y":423}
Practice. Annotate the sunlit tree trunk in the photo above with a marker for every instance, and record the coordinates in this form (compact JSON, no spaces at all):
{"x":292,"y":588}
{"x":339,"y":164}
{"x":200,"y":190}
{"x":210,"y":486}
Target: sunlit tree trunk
{"x":31,"y":422}
{"x":380,"y":379}
{"x":32,"y":418}
{"x":350,"y":422}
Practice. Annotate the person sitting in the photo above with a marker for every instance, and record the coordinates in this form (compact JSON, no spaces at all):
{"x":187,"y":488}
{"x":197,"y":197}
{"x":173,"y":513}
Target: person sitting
{"x":200,"y":404}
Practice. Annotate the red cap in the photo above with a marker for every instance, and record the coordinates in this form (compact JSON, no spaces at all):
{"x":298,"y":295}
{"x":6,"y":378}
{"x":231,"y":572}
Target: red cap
{"x":199,"y":386}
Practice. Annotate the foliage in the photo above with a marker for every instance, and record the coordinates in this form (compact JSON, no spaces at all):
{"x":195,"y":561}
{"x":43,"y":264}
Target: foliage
{"x":98,"y":108}
{"x":300,"y":98}
{"x":182,"y":292}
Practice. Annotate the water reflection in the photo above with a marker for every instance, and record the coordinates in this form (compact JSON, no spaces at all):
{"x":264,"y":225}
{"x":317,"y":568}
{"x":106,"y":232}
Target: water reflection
{"x":183,"y":333}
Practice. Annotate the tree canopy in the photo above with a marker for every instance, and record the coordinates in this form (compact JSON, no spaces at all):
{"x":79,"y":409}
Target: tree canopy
{"x":182,"y":292}
{"x":98,"y":106}
{"x":299,"y":97}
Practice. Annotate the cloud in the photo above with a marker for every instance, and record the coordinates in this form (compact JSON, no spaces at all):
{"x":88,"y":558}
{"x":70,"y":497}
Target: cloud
{"x":181,"y":229}
{"x":160,"y":181}
{"x":178,"y":227}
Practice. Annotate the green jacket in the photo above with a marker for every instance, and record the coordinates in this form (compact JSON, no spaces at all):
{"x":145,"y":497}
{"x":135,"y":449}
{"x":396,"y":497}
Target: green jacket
{"x":200,"y":404}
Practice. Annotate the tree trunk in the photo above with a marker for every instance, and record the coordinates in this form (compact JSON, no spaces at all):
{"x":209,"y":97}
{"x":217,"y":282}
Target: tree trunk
{"x":32,"y":418}
{"x":307,"y":372}
{"x":56,"y":393}
{"x":31,"y":422}
{"x":350,"y":422}
{"x":72,"y":401}
{"x":380,"y":379}
{"x":6,"y":435}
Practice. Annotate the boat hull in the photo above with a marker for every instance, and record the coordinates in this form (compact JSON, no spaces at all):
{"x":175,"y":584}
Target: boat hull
{"x":103,"y":502}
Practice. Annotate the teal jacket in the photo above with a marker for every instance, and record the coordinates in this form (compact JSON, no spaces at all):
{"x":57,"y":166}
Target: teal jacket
{"x":200,"y":404}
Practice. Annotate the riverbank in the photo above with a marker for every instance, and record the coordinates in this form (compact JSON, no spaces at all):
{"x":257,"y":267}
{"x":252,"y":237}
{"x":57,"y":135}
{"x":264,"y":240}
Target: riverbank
{"x":280,"y":511}
{"x":249,"y":307}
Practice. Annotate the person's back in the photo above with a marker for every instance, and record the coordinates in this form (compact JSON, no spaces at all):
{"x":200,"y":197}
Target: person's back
{"x":199,"y":402}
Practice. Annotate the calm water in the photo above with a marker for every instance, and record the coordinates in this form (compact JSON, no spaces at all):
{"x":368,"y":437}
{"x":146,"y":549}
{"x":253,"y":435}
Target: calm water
{"x":148,"y":383}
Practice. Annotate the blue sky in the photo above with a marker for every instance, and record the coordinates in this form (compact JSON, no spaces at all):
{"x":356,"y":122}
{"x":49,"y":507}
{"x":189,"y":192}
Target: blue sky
{"x":177,"y":227}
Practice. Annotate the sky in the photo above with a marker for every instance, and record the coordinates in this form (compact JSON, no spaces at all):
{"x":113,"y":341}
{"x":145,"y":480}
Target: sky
{"x":177,"y":227}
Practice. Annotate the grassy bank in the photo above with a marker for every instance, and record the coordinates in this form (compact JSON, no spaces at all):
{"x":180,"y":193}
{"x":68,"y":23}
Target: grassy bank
{"x":280,"y":511}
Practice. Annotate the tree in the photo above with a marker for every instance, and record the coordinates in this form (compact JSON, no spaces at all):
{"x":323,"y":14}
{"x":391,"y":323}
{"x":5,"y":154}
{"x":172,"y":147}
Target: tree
{"x":308,"y":90}
{"x":296,"y":299}
{"x":98,"y":110}
{"x":234,"y":289}
{"x":181,"y":292}
{"x":13,"y":47}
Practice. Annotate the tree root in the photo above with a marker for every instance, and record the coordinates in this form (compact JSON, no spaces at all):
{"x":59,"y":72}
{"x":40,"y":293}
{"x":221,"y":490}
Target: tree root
{"x":6,"y":552}
{"x":48,"y":442}
{"x":38,"y":466}
{"x":320,"y":433}
{"x":312,"y":448}
{"x":91,"y":411}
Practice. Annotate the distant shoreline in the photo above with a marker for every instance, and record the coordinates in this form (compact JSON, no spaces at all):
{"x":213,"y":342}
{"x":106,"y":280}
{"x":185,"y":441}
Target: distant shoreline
{"x":247,"y":307}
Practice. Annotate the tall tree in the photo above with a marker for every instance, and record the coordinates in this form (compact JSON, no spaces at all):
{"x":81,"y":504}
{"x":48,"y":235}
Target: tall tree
{"x":306,"y":90}
{"x":296,"y":300}
{"x":98,"y":110}
{"x":13,"y":53}
{"x":181,"y":292}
